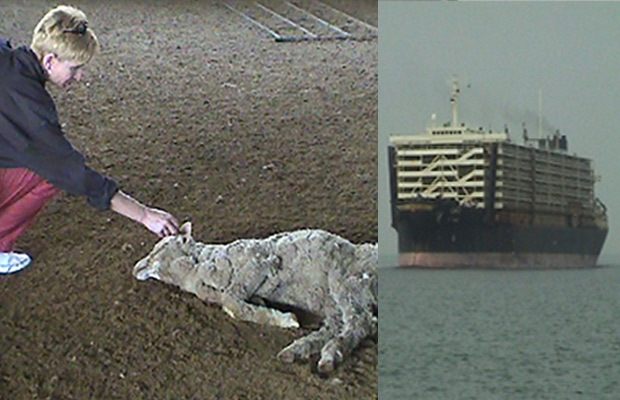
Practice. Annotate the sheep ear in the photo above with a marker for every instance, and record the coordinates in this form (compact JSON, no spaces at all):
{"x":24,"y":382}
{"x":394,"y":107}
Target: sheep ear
{"x":186,"y":231}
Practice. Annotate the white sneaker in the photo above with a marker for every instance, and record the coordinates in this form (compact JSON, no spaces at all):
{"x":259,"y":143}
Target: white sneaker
{"x":13,"y":262}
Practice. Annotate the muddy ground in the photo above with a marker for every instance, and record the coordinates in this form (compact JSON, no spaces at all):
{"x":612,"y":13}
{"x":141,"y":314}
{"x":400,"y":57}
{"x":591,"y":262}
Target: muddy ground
{"x":195,"y":111}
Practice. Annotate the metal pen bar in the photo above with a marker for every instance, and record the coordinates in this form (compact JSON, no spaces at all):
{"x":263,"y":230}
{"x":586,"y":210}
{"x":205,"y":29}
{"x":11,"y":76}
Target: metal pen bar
{"x":366,"y":24}
{"x":274,"y":34}
{"x":308,"y":38}
{"x":307,"y":32}
{"x":319,"y":20}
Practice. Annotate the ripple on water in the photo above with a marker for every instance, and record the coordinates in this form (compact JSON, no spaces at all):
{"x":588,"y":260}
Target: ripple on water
{"x":499,"y":334}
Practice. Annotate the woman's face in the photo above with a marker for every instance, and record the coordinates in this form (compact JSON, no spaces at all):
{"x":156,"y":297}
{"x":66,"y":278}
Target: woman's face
{"x":62,"y":73}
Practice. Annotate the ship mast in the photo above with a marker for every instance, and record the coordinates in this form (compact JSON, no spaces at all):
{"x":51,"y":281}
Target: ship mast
{"x":540,"y":112}
{"x":453,"y":100}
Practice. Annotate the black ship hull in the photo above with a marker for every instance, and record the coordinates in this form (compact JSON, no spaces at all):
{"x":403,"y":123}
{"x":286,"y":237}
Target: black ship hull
{"x":449,"y":236}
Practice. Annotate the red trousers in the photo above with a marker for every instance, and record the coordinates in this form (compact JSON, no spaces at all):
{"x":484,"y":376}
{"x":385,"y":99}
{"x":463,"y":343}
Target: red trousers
{"x":22,"y":195}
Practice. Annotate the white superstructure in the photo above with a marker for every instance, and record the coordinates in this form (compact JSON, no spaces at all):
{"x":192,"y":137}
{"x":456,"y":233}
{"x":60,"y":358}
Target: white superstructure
{"x":459,"y":163}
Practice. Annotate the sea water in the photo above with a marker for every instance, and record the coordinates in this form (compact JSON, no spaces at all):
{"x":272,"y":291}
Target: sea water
{"x":480,"y":334}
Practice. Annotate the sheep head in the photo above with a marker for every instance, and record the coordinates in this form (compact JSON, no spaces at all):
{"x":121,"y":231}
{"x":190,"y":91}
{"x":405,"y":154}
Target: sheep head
{"x":170,"y":258}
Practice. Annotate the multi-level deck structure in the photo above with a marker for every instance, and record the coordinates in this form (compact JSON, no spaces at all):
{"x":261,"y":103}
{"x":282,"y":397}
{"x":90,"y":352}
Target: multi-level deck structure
{"x":464,"y":197}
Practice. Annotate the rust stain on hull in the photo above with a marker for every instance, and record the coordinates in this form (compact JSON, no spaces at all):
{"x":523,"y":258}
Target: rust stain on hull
{"x":497,"y":260}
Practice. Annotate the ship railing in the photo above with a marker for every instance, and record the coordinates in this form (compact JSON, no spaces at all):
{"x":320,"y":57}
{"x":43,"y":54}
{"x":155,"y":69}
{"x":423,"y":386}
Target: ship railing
{"x":467,"y":177}
{"x":601,"y":206}
{"x":442,"y":188}
{"x":437,"y":187}
{"x":440,"y":182}
{"x":436,"y":165}
{"x":470,"y":200}
{"x":470,"y":152}
{"x":442,"y":159}
{"x":436,"y":161}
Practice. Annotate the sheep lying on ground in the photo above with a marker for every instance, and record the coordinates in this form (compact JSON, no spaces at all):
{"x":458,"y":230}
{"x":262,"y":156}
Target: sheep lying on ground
{"x":312,"y":270}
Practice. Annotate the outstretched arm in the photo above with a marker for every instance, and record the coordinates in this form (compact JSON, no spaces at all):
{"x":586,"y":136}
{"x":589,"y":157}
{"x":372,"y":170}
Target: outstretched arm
{"x":157,"y":221}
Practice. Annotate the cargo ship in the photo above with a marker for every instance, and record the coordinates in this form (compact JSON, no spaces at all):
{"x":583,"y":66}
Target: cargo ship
{"x":463,"y":197}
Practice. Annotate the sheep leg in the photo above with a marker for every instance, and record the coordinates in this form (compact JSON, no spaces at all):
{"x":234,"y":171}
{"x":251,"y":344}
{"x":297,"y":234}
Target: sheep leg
{"x":358,"y":321}
{"x":246,"y":282}
{"x":305,"y":347}
{"x":240,"y":309}
{"x":208,"y":294}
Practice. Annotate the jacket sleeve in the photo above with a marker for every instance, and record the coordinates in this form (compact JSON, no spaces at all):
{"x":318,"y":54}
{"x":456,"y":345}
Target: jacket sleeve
{"x":48,"y":152}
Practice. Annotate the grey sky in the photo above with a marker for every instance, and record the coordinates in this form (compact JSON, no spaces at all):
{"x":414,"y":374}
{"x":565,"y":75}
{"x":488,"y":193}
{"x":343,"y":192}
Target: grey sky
{"x":503,"y":52}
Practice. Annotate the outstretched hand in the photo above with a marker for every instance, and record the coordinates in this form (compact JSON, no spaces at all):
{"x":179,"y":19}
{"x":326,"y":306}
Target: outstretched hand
{"x":157,"y":221}
{"x":160,"y":222}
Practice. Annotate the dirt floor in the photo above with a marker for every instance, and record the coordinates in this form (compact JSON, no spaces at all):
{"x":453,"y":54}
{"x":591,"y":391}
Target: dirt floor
{"x":194,"y":110}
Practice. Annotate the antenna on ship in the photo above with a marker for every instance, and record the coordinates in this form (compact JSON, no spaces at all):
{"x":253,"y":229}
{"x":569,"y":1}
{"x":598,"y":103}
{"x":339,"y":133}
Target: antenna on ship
{"x":540,"y":112}
{"x":453,"y":100}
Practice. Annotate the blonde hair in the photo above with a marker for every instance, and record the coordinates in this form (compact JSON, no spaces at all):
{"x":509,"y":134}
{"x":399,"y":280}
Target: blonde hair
{"x":64,"y":31}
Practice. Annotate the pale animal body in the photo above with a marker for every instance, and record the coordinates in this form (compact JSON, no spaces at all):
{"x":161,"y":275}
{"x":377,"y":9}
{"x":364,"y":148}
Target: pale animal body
{"x":312,"y":270}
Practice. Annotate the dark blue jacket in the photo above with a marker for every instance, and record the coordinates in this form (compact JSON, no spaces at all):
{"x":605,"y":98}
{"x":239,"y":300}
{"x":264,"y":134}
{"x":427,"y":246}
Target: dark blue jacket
{"x":31,"y":136}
